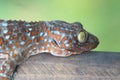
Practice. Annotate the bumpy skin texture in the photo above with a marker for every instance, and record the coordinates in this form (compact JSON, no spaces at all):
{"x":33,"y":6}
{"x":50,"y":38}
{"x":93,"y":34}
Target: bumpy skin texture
{"x":19,"y":40}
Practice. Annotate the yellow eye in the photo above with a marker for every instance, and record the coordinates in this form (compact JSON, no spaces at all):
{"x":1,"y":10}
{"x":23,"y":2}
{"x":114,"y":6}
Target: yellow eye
{"x":82,"y":37}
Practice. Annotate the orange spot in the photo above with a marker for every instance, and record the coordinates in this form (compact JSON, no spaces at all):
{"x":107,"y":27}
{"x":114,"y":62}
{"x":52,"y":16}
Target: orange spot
{"x":64,"y":38}
{"x":19,"y":34}
{"x":18,"y":61}
{"x":17,"y":44}
{"x":41,"y":38}
{"x":14,"y":55}
{"x":62,"y":31}
{"x":40,"y":28}
{"x":48,"y":32}
{"x":59,"y":52}
{"x":55,"y":28}
{"x":62,"y":45}
{"x":1,"y":78}
{"x":45,"y":29}
{"x":34,"y":33}
{"x":58,"y":37}
{"x":11,"y":64}
{"x":24,"y":37}
{"x":41,"y":23}
{"x":28,"y":42}
{"x":9,"y":32}
{"x":1,"y":41}
{"x":55,"y":49}
{"x":45,"y":43}
{"x":3,"y":47}
{"x":27,"y":55}
{"x":26,"y":31}
{"x":36,"y":40}
{"x":70,"y":41}
{"x":1,"y":71}
{"x":16,"y":37}
{"x":12,"y":37}
{"x":10,"y":46}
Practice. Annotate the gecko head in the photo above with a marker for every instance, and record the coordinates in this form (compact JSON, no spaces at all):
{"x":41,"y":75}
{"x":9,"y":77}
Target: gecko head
{"x":86,"y":41}
{"x":81,"y":39}
{"x":75,"y":39}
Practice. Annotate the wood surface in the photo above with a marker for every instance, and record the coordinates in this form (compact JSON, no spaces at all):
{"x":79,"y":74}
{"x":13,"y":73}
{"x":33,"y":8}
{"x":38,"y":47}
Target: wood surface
{"x":87,"y":66}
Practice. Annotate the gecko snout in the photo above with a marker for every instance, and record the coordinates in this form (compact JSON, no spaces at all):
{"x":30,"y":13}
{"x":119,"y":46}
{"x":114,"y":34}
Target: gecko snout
{"x":93,"y":40}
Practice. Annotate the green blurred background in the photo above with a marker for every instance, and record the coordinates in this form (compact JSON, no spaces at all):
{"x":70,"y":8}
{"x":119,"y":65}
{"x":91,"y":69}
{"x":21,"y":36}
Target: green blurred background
{"x":100,"y":17}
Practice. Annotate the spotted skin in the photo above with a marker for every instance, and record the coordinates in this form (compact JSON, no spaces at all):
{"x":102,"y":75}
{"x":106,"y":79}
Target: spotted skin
{"x":19,"y":40}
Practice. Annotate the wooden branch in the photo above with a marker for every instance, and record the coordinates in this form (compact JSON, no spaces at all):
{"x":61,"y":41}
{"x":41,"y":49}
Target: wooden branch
{"x":88,"y":66}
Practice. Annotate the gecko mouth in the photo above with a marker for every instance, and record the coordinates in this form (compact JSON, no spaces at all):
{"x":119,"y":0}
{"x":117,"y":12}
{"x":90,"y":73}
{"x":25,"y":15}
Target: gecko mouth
{"x":70,"y":50}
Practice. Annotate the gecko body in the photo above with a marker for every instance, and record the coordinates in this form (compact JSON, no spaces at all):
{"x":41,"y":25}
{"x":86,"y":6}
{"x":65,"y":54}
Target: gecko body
{"x":19,"y":40}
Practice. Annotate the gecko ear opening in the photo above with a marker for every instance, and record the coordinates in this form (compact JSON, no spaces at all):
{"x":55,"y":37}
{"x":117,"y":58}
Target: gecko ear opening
{"x":82,"y":37}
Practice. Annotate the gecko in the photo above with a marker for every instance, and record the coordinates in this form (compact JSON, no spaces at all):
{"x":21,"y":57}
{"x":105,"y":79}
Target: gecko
{"x":20,"y":39}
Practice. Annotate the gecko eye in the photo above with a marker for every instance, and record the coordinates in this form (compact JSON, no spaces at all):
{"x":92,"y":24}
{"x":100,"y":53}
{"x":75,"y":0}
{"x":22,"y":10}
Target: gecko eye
{"x":82,"y":37}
